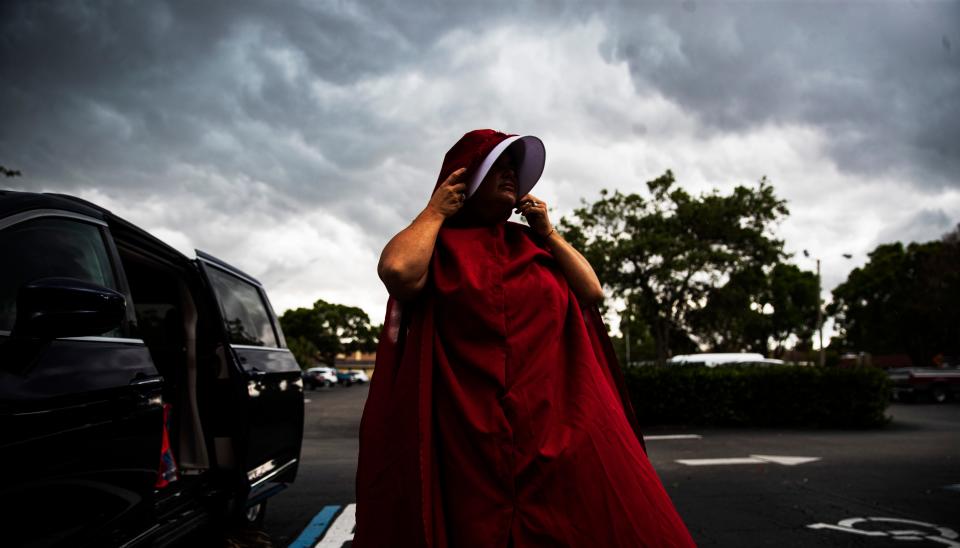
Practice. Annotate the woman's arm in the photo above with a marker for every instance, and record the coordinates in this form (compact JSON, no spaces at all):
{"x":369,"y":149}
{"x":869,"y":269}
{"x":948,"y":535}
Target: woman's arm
{"x":405,"y":260}
{"x":580,"y":275}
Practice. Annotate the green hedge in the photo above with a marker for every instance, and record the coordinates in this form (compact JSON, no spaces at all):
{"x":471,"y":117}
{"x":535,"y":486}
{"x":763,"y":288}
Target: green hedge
{"x":790,"y":396}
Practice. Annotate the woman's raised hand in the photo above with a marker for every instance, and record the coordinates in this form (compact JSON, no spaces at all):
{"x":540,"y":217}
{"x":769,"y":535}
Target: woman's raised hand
{"x":450,"y":195}
{"x":405,"y":259}
{"x":535,"y":211}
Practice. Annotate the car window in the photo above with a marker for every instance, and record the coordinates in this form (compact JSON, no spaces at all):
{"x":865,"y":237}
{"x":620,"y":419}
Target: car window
{"x":243,"y":309}
{"x":50,"y":247}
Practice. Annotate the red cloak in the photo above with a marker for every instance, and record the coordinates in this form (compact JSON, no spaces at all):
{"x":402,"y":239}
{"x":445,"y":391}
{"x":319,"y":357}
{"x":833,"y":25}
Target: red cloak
{"x":498,"y":410}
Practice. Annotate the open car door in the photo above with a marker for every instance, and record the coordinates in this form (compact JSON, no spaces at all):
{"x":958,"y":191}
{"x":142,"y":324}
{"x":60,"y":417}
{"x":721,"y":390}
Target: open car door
{"x":269,"y":427}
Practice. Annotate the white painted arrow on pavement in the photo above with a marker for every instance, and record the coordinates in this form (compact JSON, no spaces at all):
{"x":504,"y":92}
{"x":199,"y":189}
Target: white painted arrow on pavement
{"x":752,"y":459}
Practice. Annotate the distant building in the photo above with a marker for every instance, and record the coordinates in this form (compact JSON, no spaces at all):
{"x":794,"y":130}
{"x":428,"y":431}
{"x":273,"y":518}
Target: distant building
{"x":357,"y":360}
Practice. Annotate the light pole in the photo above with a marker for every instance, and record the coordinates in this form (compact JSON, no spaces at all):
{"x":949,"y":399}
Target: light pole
{"x":823,"y":356}
{"x":626,"y":337}
{"x":625,"y":328}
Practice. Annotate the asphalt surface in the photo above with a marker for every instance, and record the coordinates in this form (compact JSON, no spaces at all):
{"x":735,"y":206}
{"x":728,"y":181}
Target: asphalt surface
{"x":909,"y":470}
{"x":328,"y":461}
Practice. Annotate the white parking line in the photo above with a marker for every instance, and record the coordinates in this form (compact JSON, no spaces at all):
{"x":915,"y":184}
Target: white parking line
{"x":752,"y":459}
{"x":674,"y":437}
{"x":710,"y":462}
{"x":789,"y":461}
{"x":341,"y":530}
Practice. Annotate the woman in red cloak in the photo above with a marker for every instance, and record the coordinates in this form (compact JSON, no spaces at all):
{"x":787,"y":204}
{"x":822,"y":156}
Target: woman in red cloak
{"x":497,"y":415}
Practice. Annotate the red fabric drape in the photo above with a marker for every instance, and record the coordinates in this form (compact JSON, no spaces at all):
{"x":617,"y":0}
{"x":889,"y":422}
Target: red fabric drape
{"x":498,"y":411}
{"x":469,"y":152}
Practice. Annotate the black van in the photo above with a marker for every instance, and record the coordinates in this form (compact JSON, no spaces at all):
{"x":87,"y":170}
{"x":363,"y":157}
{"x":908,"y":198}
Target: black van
{"x":143,"y":394}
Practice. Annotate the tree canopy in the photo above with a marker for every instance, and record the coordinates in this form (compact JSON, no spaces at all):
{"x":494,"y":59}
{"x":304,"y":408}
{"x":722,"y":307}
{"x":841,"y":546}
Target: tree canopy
{"x":705,"y":266}
{"x":321,"y":332}
{"x":903,"y":301}
{"x":756,"y":308}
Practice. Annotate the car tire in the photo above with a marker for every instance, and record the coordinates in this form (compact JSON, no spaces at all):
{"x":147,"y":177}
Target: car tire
{"x":939,"y":394}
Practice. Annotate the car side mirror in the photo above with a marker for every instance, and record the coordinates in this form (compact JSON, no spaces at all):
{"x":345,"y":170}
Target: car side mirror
{"x":49,"y":308}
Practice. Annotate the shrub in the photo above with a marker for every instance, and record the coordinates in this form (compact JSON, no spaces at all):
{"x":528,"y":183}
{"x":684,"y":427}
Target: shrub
{"x":789,"y":396}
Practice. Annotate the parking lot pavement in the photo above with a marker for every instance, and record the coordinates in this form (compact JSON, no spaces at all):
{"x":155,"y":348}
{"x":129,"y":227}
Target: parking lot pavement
{"x":328,"y":461}
{"x":903,"y":472}
{"x":760,"y":487}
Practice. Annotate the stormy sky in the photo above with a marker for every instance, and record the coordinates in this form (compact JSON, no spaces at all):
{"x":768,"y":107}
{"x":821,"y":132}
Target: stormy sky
{"x":294,"y":139}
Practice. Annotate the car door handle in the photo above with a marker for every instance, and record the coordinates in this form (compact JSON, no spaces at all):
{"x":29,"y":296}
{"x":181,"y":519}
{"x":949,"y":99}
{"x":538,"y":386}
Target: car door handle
{"x":256,"y":372}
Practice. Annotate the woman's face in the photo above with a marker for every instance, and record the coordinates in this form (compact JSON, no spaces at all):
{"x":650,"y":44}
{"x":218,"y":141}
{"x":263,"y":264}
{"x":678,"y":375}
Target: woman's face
{"x":498,"y":190}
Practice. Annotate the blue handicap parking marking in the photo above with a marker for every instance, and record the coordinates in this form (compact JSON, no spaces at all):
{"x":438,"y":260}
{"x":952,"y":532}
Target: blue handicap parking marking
{"x":316,"y":528}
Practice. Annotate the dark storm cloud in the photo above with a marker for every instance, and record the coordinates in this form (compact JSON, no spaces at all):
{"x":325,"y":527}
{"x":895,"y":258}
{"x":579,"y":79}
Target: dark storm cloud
{"x":87,"y":86}
{"x":265,"y":95}
{"x":878,"y":78}
{"x":113,"y":95}
{"x":923,"y":226}
{"x":323,"y":123}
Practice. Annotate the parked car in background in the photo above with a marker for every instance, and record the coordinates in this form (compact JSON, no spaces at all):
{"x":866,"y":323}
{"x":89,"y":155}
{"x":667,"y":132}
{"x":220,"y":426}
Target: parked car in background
{"x":715,"y":359}
{"x":346,"y":378}
{"x":144,"y":394}
{"x":320,"y":376}
{"x":360,"y":376}
{"x":938,"y":384}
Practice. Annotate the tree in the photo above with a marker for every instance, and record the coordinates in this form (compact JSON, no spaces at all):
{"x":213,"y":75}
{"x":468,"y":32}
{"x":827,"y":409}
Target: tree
{"x":755,"y":308}
{"x":303,"y":350}
{"x":865,"y":304}
{"x":635,"y":332}
{"x":328,"y":329}
{"x":732,"y":318}
{"x":903,"y":301}
{"x":794,"y":297}
{"x":668,"y":252}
